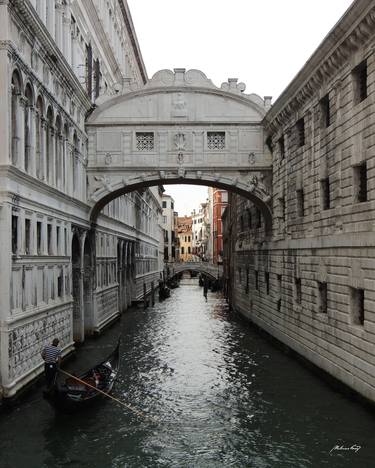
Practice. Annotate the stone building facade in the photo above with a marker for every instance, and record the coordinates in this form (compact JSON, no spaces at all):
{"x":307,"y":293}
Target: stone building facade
{"x":61,"y":275}
{"x":184,"y":236}
{"x":310,"y":283}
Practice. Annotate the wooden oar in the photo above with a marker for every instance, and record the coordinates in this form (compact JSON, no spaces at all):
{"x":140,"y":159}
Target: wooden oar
{"x":139,"y":413}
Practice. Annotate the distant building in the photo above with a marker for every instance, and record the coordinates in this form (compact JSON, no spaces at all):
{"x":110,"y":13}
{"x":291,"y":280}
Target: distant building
{"x":200,"y":231}
{"x":219,"y":200}
{"x":169,"y":228}
{"x":184,"y":233}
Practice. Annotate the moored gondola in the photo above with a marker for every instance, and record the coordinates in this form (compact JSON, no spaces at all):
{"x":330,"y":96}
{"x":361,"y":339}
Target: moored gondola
{"x":78,"y":392}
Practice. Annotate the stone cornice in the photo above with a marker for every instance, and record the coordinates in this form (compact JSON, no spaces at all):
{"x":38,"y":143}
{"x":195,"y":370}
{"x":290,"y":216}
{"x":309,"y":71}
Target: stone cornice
{"x":53,"y":54}
{"x":133,"y":39}
{"x":352,"y":31}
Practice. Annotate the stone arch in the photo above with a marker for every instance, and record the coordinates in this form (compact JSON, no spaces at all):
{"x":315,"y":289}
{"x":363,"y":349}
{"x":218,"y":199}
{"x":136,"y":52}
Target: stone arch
{"x":258,"y":196}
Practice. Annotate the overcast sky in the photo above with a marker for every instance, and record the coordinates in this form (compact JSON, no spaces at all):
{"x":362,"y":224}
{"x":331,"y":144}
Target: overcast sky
{"x":263,"y":43}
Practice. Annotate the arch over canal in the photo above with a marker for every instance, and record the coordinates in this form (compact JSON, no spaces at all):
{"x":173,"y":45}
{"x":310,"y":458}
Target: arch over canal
{"x":179,"y":128}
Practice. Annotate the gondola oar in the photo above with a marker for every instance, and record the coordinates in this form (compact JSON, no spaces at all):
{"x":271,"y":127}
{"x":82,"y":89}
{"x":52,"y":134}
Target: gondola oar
{"x":139,"y":413}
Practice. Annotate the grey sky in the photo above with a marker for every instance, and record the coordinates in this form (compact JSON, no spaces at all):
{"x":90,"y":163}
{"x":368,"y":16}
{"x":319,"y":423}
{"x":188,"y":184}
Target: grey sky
{"x":263,"y":43}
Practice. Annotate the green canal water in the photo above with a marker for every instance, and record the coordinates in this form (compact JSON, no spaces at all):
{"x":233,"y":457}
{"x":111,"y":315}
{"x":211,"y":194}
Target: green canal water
{"x":219,"y":394}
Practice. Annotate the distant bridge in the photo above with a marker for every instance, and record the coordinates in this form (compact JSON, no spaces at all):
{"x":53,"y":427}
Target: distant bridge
{"x":209,"y":269}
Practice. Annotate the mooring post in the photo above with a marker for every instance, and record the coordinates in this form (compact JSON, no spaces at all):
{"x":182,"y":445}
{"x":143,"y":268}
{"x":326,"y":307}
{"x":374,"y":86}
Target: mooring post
{"x":144,"y":296}
{"x":152,"y":293}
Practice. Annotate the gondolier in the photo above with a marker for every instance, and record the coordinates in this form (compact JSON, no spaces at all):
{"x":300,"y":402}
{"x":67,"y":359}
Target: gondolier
{"x":51,"y":355}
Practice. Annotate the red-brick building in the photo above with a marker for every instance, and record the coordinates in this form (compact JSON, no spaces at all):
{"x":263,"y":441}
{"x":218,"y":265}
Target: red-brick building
{"x":219,"y":203}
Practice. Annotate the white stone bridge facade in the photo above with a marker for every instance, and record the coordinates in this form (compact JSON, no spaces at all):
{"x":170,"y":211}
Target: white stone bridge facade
{"x":179,"y":128}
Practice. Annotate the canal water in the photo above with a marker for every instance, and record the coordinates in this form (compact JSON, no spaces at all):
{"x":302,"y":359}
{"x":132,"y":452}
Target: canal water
{"x":219,"y":394}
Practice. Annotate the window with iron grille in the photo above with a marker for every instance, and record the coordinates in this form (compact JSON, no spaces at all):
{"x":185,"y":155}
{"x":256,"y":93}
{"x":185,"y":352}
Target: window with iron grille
{"x":300,"y":127}
{"x":325,"y":110}
{"x":216,"y":140}
{"x":145,"y":141}
{"x":360,"y":182}
{"x":360,"y":82}
{"x":325,"y":193}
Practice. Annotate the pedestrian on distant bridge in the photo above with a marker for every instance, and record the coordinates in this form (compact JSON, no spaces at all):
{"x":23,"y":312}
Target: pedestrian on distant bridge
{"x":51,"y":355}
{"x":205,"y":288}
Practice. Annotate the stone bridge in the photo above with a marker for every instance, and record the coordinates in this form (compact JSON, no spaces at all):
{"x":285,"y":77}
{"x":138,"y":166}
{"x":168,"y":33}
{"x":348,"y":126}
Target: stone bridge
{"x":209,"y":269}
{"x":179,"y":129}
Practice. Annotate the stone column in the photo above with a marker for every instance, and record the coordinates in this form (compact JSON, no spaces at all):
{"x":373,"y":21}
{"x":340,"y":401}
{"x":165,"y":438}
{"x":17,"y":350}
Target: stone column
{"x":51,"y":157}
{"x":43,"y":149}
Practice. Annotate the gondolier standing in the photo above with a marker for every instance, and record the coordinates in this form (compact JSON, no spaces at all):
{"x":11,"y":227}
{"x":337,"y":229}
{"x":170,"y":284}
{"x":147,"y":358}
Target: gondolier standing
{"x":51,"y":355}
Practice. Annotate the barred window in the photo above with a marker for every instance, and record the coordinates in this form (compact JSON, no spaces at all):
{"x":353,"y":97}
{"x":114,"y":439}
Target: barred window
{"x":216,"y":140}
{"x":145,"y":141}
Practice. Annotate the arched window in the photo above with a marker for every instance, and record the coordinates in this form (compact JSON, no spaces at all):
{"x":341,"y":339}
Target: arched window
{"x":58,"y":152}
{"x":39,"y":138}
{"x":49,"y":145}
{"x":28,"y":128}
{"x":15,"y":112}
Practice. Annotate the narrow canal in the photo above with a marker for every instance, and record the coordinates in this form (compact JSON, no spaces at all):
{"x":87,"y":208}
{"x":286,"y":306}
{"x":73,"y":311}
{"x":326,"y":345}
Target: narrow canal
{"x":221,"y":395}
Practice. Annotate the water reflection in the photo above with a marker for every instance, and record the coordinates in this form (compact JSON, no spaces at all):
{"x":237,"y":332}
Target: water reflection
{"x":221,"y":396}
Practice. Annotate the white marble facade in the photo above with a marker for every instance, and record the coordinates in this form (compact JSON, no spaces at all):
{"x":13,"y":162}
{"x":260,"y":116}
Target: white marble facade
{"x":59,"y":276}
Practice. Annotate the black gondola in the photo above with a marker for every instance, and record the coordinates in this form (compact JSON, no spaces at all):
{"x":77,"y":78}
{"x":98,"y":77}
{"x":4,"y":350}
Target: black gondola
{"x":73,"y":394}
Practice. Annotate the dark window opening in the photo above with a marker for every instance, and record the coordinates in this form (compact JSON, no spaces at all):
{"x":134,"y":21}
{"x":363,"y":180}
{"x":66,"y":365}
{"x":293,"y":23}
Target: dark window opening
{"x":49,"y":238}
{"x":164,"y":204}
{"x":60,"y":284}
{"x":360,"y":182}
{"x":298,"y":290}
{"x":27,"y":236}
{"x":358,"y":306}
{"x":267,"y":280}
{"x":300,"y":203}
{"x":322,"y":297}
{"x":360,"y":82}
{"x":325,"y":190}
{"x":282,"y":147}
{"x":326,"y":111}
{"x":39,"y":237}
{"x":300,"y":125}
{"x":259,"y":218}
{"x":14,"y":234}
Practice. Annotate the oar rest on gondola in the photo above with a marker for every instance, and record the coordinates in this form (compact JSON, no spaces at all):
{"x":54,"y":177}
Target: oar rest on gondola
{"x":79,"y":391}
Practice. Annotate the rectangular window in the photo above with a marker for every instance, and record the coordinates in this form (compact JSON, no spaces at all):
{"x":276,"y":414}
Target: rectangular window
{"x":164,"y":204}
{"x":60,"y":283}
{"x":298,"y":290}
{"x":14,"y":234}
{"x":256,"y":280}
{"x":360,"y":82}
{"x":300,"y":203}
{"x":282,"y":208}
{"x":322,"y":288}
{"x":49,"y":238}
{"x":267,"y":280}
{"x":325,"y":194}
{"x":216,"y":140}
{"x":39,"y":237}
{"x":282,"y":147}
{"x":189,"y":249}
{"x":182,"y":250}
{"x":27,"y":236}
{"x":357,"y":306}
{"x":360,"y":182}
{"x":58,"y":239}
{"x":325,"y":111}
{"x":300,"y":127}
{"x":145,"y":141}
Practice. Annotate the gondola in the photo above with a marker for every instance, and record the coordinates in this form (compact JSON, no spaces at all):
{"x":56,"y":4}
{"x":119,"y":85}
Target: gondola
{"x":73,"y":395}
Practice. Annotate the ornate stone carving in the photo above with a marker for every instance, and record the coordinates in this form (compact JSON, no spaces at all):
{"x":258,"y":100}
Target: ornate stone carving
{"x":180,"y":141}
{"x":179,"y":106}
{"x":108,"y":159}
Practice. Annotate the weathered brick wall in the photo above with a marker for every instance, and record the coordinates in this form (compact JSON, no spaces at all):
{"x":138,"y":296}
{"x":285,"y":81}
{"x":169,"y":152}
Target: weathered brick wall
{"x":320,"y":261}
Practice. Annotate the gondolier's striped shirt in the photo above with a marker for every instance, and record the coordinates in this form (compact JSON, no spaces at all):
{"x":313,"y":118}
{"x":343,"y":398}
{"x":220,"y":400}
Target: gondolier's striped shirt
{"x":51,"y":354}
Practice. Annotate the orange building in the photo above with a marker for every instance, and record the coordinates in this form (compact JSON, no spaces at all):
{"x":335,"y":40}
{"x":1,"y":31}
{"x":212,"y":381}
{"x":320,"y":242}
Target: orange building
{"x":185,"y":235}
{"x":219,"y":203}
